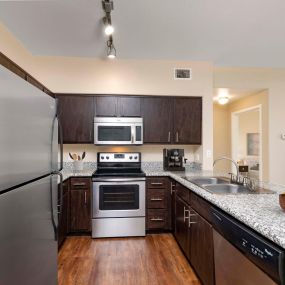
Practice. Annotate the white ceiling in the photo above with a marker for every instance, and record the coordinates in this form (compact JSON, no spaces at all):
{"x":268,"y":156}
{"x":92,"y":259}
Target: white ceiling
{"x":227,"y":32}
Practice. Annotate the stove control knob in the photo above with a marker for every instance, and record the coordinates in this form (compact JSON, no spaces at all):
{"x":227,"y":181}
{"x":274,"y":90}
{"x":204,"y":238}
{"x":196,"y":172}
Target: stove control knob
{"x":107,"y":157}
{"x":131,"y":157}
{"x":102,"y":157}
{"x":135,"y":157}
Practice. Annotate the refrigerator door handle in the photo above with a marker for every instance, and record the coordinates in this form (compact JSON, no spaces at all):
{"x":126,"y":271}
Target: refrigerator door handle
{"x":61,"y":143}
{"x":59,"y":210}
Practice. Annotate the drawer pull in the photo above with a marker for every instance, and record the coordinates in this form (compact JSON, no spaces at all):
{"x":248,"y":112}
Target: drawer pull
{"x":79,"y":184}
{"x":156,"y":199}
{"x":157,"y":219}
{"x":156,"y":183}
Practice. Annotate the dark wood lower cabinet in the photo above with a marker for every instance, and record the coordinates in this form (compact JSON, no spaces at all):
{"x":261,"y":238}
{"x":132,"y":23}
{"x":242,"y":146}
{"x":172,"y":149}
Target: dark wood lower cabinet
{"x":181,"y":225}
{"x":63,"y":214}
{"x":80,"y":218}
{"x":195,"y":237}
{"x":158,"y":204}
{"x":202,"y":248}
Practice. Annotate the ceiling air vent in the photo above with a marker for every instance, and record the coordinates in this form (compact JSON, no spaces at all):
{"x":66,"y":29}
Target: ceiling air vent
{"x":182,"y":74}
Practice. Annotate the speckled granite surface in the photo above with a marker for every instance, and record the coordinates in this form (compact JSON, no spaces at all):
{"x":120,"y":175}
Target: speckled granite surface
{"x":260,"y":212}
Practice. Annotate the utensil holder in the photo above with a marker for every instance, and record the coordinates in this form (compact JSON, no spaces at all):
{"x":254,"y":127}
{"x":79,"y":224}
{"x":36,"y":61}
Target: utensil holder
{"x":78,"y":165}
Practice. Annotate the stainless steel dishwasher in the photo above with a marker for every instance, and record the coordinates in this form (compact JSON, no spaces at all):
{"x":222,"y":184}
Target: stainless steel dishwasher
{"x":243,"y":257}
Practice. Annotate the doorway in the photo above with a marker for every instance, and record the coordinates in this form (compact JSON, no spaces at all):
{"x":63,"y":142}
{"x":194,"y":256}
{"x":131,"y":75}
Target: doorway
{"x":246,"y":137}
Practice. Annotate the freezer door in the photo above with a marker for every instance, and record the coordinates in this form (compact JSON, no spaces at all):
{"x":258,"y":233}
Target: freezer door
{"x":27,"y":238}
{"x":26,"y":130}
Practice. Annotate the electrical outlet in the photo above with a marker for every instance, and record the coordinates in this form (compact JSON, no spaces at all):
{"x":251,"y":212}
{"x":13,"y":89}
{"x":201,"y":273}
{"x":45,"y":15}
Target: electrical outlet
{"x":209,"y":153}
{"x":283,"y":136}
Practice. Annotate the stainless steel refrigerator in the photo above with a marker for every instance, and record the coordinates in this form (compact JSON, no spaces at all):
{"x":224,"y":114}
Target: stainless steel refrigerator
{"x":28,"y":183}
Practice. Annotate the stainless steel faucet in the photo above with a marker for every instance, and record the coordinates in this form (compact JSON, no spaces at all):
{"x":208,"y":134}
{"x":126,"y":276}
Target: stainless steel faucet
{"x":227,"y":158}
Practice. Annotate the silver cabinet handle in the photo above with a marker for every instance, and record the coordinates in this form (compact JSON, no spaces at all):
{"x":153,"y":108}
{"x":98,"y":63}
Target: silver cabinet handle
{"x":177,"y":137}
{"x":169,"y":134}
{"x":185,"y":212}
{"x":189,"y":223}
{"x":172,"y":188}
{"x":85,"y":197}
{"x":79,"y":184}
{"x":157,"y":219}
{"x":156,"y":199}
{"x":156,"y":183}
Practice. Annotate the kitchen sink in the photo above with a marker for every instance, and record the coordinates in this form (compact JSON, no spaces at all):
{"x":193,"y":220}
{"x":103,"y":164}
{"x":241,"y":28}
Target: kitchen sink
{"x":207,"y":180}
{"x":228,"y":189}
{"x":222,"y":185}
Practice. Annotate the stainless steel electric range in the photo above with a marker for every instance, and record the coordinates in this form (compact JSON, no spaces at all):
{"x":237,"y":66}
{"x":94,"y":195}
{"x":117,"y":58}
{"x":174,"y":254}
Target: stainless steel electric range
{"x":118,"y":202}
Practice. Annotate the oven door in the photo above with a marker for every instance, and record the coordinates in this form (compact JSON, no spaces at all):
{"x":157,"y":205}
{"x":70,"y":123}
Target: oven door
{"x":116,"y":198}
{"x":113,"y":133}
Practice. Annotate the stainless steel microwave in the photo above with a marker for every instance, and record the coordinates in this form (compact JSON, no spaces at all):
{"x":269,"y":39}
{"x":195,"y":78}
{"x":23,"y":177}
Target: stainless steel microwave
{"x":118,"y":131}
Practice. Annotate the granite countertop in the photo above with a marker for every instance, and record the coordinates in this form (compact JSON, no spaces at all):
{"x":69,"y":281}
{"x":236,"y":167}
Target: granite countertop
{"x":260,"y":212}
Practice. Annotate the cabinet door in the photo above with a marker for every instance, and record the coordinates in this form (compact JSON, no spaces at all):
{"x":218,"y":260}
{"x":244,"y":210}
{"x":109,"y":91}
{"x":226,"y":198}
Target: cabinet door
{"x":181,"y":225}
{"x":80,"y":218}
{"x":157,"y":115}
{"x":106,"y":106}
{"x":188,"y":120}
{"x":129,"y":107}
{"x":201,"y":248}
{"x":76,"y":115}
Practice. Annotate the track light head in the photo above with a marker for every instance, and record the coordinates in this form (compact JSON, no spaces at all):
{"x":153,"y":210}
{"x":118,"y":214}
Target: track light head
{"x":111,"y":51}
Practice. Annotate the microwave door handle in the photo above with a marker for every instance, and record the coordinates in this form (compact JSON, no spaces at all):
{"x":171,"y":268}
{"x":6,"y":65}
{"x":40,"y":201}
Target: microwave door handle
{"x":133,"y":134}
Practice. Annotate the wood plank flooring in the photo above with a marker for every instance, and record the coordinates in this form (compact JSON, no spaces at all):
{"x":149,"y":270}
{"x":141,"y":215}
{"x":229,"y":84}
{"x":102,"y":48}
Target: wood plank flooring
{"x":153,"y":260}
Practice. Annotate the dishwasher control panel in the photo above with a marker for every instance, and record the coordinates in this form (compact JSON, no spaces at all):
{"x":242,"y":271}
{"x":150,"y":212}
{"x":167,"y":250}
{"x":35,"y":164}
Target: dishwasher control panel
{"x":261,"y":252}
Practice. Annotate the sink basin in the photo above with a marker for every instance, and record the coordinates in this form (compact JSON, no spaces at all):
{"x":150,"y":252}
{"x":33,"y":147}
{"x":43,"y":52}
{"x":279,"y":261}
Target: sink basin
{"x":207,"y":180}
{"x":222,"y":185}
{"x":227,"y":189}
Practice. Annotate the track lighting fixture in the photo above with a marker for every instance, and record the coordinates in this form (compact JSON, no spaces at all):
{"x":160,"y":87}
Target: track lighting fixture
{"x":109,"y":29}
{"x":108,"y":6}
{"x":111,"y":51}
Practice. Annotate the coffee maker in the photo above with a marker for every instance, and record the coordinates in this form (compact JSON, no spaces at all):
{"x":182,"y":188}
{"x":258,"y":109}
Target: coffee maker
{"x":173,"y":159}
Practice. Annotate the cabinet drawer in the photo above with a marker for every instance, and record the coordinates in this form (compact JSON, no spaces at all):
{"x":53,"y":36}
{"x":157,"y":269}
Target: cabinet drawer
{"x":201,"y":206}
{"x":79,"y":183}
{"x":157,"y":182}
{"x":182,"y":192}
{"x":156,"y":199}
{"x":156,"y":219}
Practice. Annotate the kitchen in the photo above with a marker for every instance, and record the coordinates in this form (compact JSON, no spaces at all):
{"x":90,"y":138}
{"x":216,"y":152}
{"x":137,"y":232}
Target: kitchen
{"x":116,"y":117}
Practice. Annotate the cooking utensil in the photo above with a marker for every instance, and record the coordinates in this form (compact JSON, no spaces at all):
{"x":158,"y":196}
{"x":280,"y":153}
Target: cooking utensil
{"x":70,"y":155}
{"x":74,"y":156}
{"x":83,"y":155}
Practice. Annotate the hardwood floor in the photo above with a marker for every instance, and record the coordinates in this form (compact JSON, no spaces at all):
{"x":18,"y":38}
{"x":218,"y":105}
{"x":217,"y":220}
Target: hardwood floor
{"x":154,"y":260}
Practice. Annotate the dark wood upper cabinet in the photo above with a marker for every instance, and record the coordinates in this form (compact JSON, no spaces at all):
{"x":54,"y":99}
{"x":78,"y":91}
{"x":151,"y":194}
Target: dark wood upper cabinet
{"x":106,"y":106}
{"x":188,"y":120}
{"x":76,"y":114}
{"x":201,"y":248}
{"x":158,"y":118}
{"x":129,"y":106}
{"x":117,"y":106}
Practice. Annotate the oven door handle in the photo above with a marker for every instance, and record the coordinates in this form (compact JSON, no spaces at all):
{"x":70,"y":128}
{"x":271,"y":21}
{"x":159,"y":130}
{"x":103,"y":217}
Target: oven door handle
{"x":118,"y":179}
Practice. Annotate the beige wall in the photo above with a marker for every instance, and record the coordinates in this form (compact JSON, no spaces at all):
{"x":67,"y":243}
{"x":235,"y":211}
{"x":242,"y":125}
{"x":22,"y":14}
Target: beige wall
{"x":149,"y":152}
{"x":248,"y":122}
{"x":274,"y":81}
{"x":222,"y":140}
{"x":222,"y":146}
{"x":146,"y":77}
